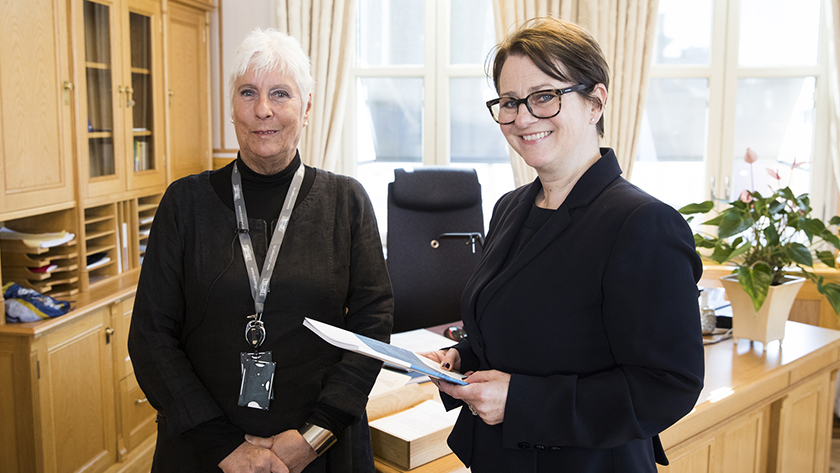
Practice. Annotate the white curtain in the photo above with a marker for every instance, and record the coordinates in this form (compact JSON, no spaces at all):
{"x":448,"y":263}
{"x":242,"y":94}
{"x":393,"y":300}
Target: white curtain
{"x":324,"y":29}
{"x":834,"y":91}
{"x":625,"y":30}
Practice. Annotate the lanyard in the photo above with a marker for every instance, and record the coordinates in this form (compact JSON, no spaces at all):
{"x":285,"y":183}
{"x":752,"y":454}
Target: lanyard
{"x":259,"y":281}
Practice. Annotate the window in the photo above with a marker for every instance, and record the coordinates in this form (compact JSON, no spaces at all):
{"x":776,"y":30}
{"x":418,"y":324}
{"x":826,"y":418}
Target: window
{"x":729,"y":75}
{"x":419,"y":92}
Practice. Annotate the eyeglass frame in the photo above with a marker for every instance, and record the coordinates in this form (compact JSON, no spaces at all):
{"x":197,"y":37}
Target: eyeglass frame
{"x":518,"y":102}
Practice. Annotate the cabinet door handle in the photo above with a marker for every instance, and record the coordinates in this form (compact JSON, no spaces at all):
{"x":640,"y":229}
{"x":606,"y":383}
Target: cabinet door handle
{"x":108,"y":333}
{"x":140,"y":401}
{"x":68,"y":85}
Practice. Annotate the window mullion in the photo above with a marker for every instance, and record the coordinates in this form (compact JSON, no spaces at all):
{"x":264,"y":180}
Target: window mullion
{"x":725,"y":108}
{"x":429,"y":84}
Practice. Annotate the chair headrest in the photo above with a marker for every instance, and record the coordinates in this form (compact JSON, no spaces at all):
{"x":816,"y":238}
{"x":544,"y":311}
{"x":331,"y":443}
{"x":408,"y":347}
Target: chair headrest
{"x":435,"y":188}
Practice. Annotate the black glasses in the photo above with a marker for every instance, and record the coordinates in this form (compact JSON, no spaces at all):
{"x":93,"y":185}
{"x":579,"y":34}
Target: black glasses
{"x":542,"y":104}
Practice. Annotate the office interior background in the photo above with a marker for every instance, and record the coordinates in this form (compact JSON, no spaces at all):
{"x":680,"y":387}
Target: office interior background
{"x":725,"y":75}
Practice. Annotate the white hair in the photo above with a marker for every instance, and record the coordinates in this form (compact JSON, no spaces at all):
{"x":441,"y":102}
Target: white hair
{"x":271,"y":50}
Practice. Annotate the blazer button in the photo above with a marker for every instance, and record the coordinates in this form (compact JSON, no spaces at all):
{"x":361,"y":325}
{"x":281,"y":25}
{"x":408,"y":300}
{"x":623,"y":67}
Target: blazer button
{"x":524,"y":445}
{"x":539,"y":447}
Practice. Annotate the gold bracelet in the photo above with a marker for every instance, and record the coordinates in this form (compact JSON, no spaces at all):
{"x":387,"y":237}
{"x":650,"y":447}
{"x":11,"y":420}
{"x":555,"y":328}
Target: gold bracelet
{"x":319,"y":438}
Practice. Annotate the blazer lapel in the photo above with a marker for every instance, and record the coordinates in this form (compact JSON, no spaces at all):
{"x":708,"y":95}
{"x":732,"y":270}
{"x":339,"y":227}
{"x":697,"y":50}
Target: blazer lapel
{"x":589,"y":186}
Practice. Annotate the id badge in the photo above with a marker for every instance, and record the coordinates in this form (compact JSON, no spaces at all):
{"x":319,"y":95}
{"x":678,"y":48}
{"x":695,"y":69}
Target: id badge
{"x":256,"y":389}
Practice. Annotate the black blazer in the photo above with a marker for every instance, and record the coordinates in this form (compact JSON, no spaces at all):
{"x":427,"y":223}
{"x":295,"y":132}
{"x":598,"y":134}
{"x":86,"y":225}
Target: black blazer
{"x":596,"y":319}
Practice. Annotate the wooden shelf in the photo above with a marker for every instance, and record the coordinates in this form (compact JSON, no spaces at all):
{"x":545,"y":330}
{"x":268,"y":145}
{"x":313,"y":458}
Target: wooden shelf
{"x":140,"y":70}
{"x":97,"y":65}
{"x":93,"y":236}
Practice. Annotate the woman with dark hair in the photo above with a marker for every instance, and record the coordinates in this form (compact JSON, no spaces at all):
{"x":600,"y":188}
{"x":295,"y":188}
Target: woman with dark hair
{"x":584,"y":331}
{"x":236,"y":259}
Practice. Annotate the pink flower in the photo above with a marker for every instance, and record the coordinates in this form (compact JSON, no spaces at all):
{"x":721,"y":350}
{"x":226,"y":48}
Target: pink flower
{"x":775,"y":175}
{"x":746,"y":197}
{"x":750,"y":156}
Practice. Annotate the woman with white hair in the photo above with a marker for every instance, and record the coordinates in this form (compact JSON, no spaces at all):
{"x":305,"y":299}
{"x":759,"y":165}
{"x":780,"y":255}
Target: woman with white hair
{"x":253,"y":248}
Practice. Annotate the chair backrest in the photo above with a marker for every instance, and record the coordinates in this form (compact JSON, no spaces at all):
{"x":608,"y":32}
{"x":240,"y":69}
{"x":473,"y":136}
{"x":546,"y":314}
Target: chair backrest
{"x":428,"y":279}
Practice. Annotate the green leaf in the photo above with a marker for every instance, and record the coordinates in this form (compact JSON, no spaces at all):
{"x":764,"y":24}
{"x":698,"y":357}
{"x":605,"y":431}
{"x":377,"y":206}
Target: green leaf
{"x":734,"y":223}
{"x":799,"y":254}
{"x":787,"y":194}
{"x":702,"y":242}
{"x":721,"y":253}
{"x":813,"y":226}
{"x":739,"y":250}
{"x":835,"y":220}
{"x":832,"y":293}
{"x":776,"y":206}
{"x":700,"y":208}
{"x":831,"y":238}
{"x":756,"y":282}
{"x":772,"y":235}
{"x":827,"y":257}
{"x":714,"y":221}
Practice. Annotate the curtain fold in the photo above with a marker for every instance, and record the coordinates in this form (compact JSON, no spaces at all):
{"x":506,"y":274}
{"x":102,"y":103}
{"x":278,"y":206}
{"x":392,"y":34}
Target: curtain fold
{"x":324,"y":29}
{"x":834,"y":93}
{"x":625,"y":30}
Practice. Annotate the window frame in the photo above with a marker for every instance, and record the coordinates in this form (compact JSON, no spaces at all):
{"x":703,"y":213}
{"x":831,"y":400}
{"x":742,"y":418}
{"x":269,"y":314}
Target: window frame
{"x":723,"y":73}
{"x":436,"y":73}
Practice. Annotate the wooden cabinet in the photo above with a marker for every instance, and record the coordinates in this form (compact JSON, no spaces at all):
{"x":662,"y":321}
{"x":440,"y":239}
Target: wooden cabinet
{"x":36,"y":128}
{"x":68,"y":397}
{"x":64,"y":380}
{"x":136,"y":418}
{"x":188,"y":90}
{"x":120,"y":132}
{"x":761,"y":411}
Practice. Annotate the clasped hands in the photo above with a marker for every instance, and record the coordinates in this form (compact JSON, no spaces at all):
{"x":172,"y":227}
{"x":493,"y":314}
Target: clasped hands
{"x":486,"y":393}
{"x":286,"y":452}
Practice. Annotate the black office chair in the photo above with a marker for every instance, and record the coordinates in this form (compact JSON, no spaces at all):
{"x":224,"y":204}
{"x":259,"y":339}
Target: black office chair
{"x":435,"y":238}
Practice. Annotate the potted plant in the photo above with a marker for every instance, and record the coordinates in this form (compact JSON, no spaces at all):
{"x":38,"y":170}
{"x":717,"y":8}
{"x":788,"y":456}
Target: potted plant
{"x":771,"y":240}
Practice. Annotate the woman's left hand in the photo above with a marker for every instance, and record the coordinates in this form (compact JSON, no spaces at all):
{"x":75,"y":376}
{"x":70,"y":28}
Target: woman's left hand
{"x":485,"y":396}
{"x":289,"y":446}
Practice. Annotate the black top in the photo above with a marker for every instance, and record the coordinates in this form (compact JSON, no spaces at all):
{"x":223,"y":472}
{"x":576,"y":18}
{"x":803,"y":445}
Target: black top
{"x":187,"y":330}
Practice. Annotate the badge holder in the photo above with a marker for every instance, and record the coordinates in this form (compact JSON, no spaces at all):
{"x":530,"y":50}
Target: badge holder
{"x":257,"y":386}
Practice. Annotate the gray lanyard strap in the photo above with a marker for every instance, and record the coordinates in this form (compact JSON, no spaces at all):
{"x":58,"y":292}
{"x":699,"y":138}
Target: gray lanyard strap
{"x":259,"y":281}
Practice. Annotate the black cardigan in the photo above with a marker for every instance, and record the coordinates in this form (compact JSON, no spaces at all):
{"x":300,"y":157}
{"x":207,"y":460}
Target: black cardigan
{"x":193,"y":298}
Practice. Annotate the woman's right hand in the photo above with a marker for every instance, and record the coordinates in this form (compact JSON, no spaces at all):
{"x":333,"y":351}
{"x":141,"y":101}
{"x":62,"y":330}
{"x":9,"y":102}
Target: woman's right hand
{"x":449,"y":359}
{"x":248,"y":458}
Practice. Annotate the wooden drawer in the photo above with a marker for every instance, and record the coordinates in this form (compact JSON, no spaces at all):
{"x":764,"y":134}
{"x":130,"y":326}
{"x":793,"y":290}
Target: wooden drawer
{"x":137,"y":417}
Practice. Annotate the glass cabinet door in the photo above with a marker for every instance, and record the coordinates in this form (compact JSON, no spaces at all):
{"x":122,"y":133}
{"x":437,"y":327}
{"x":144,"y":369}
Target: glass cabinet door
{"x":140,"y":93}
{"x":99,"y":75}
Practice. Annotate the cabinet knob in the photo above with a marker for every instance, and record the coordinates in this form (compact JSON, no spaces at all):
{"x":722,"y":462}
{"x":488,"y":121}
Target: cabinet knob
{"x":171,"y":93}
{"x":108,"y":333}
{"x":141,"y":401}
{"x":68,"y":85}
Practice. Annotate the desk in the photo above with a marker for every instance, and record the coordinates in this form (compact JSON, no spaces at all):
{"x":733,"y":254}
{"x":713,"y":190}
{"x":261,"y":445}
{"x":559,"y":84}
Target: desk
{"x":759,"y":411}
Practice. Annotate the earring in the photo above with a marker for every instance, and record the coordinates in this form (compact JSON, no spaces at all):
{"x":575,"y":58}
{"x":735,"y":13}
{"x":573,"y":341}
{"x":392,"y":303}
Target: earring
{"x":231,"y":120}
{"x":592,"y":120}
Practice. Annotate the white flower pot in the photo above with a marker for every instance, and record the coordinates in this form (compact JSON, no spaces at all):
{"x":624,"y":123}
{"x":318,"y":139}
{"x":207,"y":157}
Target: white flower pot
{"x":768,"y":323}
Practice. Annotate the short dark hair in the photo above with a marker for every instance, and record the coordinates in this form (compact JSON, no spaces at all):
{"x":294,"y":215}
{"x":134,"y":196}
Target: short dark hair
{"x":562,"y":50}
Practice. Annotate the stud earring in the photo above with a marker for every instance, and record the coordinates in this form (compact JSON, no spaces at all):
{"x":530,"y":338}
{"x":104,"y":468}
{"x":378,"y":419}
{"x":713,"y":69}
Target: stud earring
{"x":231,"y":120}
{"x":592,"y":120}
